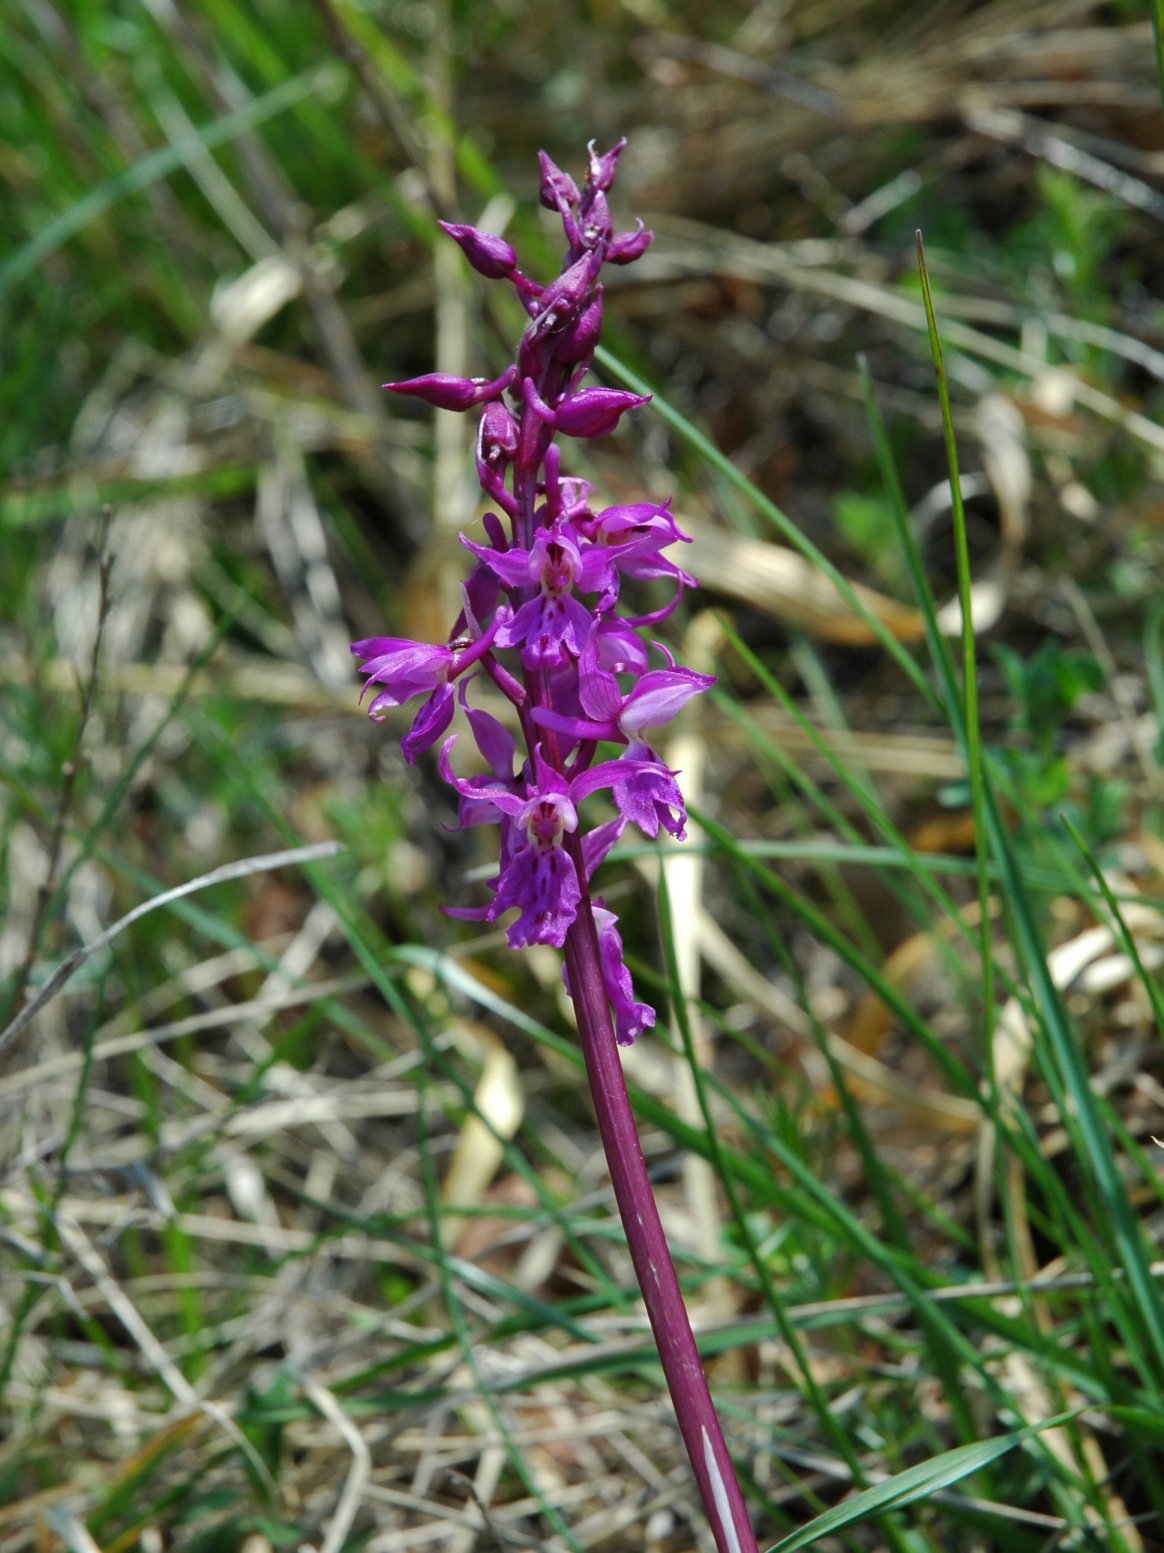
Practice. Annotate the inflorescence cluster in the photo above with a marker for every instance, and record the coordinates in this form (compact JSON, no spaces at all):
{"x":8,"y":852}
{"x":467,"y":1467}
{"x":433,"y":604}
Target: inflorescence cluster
{"x":539,"y":610}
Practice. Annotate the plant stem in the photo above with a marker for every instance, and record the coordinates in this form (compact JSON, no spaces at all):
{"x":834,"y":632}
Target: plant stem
{"x":698,"y":1422}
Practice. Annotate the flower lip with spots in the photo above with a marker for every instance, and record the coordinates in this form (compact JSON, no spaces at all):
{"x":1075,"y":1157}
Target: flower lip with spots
{"x":538,"y":876}
{"x":551,"y":627}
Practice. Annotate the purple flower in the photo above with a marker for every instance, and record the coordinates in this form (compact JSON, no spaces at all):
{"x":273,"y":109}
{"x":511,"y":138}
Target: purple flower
{"x":540,"y":879}
{"x":645,"y":792}
{"x":406,"y":669}
{"x":537,"y":875}
{"x":658,"y":695}
{"x":409,"y":669}
{"x":635,"y":537}
{"x":652,"y":701}
{"x":648,"y":795}
{"x":629,"y":541}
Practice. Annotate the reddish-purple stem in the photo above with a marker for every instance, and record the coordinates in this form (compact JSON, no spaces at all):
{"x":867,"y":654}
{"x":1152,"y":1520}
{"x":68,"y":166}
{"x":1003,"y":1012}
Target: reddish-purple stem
{"x":694,"y":1409}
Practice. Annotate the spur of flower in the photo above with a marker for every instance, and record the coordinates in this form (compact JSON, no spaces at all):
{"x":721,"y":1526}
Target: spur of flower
{"x":630,"y":1017}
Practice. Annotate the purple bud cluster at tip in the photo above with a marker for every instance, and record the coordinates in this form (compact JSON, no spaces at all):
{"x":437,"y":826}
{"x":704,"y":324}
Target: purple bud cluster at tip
{"x":540,"y":605}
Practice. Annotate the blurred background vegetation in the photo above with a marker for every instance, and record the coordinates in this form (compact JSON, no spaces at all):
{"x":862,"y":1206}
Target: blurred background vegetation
{"x":305,"y":1236}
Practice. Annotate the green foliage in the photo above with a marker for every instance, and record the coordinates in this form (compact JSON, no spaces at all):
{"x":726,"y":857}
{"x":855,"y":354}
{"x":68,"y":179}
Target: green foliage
{"x":261,"y":1424}
{"x":867,"y":523}
{"x":1077,"y":230}
{"x":1044,"y":688}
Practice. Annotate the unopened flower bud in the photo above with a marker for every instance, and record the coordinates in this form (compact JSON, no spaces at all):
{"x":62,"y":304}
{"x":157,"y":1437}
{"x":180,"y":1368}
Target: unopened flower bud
{"x":563,"y":298}
{"x":601,"y":169}
{"x":577,"y":342}
{"x":558,"y":189}
{"x":626,"y":247}
{"x":447,"y":392}
{"x":496,"y":448}
{"x":597,"y":224}
{"x":533,"y":353}
{"x":490,"y":256}
{"x":592,"y":412}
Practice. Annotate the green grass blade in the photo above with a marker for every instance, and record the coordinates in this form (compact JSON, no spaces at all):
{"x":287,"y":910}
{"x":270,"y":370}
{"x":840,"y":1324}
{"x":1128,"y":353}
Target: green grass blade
{"x":919,"y":1482}
{"x":1126,"y":938}
{"x":969,"y":655}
